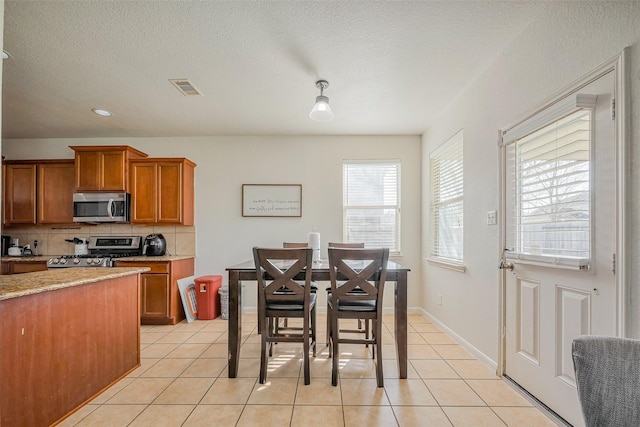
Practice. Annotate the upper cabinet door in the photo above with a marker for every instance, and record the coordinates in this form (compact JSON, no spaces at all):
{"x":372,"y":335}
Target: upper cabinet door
{"x":143,"y":192}
{"x":114,"y":171}
{"x":162,"y":191}
{"x":87,"y":170}
{"x":55,"y":192}
{"x":20,"y":194}
{"x":170,"y":192}
{"x":104,"y":168}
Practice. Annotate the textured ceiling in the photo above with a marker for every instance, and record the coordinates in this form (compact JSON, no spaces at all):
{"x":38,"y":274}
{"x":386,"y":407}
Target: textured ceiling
{"x":392,"y":66}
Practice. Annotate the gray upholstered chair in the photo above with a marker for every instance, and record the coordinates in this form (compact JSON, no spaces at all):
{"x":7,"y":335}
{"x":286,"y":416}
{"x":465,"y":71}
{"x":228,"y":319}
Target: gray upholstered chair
{"x":608,"y":378}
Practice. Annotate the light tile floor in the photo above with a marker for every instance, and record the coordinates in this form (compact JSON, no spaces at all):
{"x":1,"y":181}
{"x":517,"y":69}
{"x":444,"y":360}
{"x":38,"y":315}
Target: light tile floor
{"x":182,"y":381}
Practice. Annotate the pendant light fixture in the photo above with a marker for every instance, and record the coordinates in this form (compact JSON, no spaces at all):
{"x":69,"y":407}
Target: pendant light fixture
{"x":321,"y":111}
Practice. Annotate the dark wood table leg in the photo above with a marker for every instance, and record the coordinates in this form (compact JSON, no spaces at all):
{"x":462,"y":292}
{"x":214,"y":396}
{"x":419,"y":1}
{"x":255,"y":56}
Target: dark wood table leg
{"x":401,"y":322}
{"x":235,"y":322}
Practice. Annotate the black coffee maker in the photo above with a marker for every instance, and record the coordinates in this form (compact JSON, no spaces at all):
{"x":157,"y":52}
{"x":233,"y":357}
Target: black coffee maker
{"x":6,"y":242}
{"x":154,"y":245}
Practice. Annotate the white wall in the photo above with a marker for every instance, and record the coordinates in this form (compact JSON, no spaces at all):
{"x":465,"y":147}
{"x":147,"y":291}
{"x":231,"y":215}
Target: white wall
{"x":223,"y":236}
{"x":565,"y":42}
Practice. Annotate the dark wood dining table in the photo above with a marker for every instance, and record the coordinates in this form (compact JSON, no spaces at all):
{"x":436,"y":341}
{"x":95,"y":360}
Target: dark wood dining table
{"x":247,"y":271}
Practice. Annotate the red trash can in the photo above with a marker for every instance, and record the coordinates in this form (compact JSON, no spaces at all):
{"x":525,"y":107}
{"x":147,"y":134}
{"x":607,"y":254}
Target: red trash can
{"x":207,"y":299}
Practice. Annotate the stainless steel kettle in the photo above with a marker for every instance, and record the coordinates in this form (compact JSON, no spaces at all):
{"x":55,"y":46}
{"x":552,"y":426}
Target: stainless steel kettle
{"x":154,"y":245}
{"x":80,"y":245}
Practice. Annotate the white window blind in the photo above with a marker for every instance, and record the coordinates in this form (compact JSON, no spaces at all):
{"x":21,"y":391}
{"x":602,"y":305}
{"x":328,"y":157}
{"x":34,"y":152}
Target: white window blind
{"x":548,"y":196}
{"x":447,"y":201}
{"x":371,"y":203}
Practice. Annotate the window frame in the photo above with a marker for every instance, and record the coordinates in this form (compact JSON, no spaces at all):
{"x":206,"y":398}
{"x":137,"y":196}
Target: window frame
{"x":435,"y":257}
{"x":548,"y":116}
{"x":397,"y":207}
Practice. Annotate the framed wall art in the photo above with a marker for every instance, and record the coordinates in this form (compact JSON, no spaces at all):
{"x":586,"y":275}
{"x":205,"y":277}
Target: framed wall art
{"x":275,"y":200}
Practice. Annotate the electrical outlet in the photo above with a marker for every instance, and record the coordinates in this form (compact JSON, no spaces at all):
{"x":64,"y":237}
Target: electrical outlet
{"x":439,"y":299}
{"x":492,"y":218}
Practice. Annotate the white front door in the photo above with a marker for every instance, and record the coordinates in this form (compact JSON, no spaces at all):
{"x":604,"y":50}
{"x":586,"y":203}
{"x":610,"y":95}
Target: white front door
{"x":560,"y":232}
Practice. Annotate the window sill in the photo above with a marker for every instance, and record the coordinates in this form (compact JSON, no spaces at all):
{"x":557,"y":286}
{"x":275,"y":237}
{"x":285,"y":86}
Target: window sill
{"x":449,"y":265}
{"x":566,"y":263}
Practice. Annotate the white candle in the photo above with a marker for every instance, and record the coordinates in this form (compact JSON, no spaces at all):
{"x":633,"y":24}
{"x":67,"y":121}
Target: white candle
{"x":314,"y":243}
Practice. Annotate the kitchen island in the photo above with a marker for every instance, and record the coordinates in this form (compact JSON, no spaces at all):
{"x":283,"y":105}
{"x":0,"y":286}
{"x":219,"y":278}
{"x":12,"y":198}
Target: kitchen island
{"x":66,"y":335}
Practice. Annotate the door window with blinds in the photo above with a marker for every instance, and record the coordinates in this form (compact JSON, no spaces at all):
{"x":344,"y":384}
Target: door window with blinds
{"x":447,"y":202}
{"x":371,"y":203}
{"x":549,"y":186}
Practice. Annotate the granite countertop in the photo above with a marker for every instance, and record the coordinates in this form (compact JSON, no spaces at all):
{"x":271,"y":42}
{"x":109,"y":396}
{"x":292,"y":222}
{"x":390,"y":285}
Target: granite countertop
{"x":45,"y":258}
{"x":29,"y":258}
{"x":163,"y":258}
{"x":19,"y":285}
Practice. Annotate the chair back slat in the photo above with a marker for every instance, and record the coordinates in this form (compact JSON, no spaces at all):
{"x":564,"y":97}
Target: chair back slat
{"x":276,"y":269}
{"x":294,"y":245}
{"x":357,"y":274}
{"x":359,"y":245}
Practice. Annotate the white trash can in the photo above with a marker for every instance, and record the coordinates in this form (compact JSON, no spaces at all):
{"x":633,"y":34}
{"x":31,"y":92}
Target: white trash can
{"x":224,"y":302}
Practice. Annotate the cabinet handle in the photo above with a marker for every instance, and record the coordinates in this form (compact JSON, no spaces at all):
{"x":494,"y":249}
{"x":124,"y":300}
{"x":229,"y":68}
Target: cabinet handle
{"x":110,"y":208}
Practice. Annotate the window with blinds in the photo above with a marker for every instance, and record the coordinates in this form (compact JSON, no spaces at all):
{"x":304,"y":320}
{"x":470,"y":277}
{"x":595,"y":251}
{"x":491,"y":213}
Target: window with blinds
{"x":371,"y":203}
{"x":447,"y":202}
{"x":548,"y":197}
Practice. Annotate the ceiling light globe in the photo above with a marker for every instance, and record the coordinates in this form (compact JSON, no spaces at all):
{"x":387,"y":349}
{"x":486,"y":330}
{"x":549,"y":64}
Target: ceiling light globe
{"x":100,"y":112}
{"x":321,"y":111}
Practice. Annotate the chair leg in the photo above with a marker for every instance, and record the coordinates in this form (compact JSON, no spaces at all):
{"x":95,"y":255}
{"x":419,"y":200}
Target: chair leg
{"x":263,"y":351}
{"x":378,"y":344}
{"x":272,"y":329}
{"x":335,"y":338}
{"x":329,"y":336}
{"x":313,"y":329}
{"x":328,"y":341}
{"x":366,"y":330}
{"x":305,"y":349}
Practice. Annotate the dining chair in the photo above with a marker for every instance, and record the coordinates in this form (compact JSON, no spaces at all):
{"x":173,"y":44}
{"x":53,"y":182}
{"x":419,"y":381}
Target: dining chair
{"x":314,"y":285}
{"x":281,"y":296}
{"x":357,"y":287}
{"x":342,"y":245}
{"x":295,"y":245}
{"x":607,"y":373}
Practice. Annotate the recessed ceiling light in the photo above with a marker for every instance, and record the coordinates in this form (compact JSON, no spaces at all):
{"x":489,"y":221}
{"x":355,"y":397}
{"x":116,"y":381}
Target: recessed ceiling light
{"x":5,"y":55}
{"x":103,"y":113}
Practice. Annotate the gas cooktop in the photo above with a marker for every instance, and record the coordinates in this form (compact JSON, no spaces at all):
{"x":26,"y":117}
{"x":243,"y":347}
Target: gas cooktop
{"x":103,"y":249}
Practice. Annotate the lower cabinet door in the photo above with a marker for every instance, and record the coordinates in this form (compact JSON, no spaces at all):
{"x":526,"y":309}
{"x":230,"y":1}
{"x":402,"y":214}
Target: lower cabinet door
{"x":154,"y":296}
{"x":27,"y":267}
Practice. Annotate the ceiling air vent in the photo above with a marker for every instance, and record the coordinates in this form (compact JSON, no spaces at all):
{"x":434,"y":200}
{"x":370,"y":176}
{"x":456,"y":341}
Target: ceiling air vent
{"x":185,"y":87}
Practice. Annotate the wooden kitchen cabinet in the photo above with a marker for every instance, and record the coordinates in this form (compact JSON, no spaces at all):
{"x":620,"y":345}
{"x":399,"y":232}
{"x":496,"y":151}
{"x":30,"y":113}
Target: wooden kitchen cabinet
{"x":160,"y":302}
{"x":19,"y":193}
{"x":104,"y":168}
{"x":55,"y":192}
{"x":38,"y":192}
{"x":18,"y":267}
{"x":162,"y":191}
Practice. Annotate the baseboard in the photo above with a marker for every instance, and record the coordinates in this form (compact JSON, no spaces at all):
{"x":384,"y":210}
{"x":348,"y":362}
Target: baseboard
{"x":482,"y":358}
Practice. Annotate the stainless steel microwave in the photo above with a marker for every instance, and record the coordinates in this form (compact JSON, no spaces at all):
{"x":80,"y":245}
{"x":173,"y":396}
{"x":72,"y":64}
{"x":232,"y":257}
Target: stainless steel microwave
{"x":101,"y":207}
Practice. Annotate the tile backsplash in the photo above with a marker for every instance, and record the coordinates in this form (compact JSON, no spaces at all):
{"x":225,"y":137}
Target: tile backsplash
{"x":181,"y":240}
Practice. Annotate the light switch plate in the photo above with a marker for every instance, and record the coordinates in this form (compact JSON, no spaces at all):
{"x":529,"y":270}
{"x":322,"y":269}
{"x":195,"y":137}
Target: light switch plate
{"x":492,"y":217}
